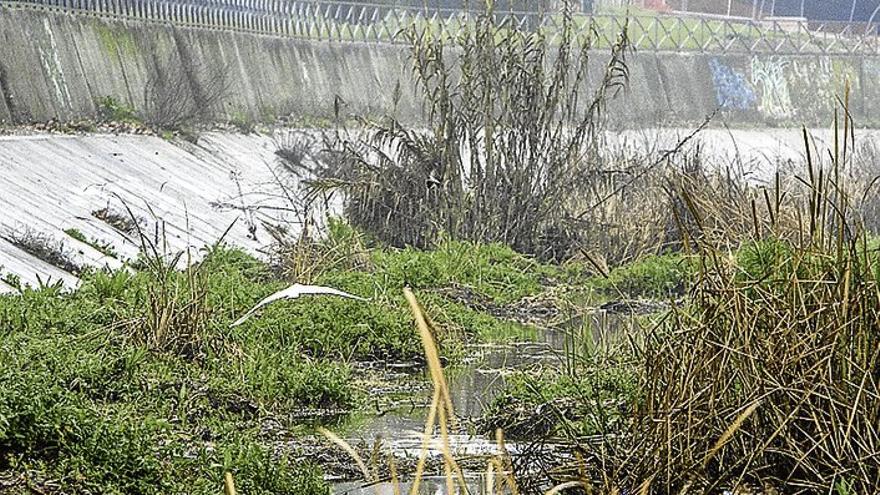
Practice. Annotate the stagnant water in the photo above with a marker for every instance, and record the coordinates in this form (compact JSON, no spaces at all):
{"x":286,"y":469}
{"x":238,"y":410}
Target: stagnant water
{"x":399,"y":420}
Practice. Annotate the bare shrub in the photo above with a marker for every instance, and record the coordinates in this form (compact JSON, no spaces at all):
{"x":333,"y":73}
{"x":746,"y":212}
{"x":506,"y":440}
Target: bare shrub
{"x":508,"y":140}
{"x":180,"y":93}
{"x":634,"y":201}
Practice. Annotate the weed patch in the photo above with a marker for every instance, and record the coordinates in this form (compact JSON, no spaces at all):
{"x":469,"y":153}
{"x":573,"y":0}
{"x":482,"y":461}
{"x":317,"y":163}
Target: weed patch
{"x":651,"y":276}
{"x":112,"y":110}
{"x":93,"y":410}
{"x":45,"y":248}
{"x":102,"y":247}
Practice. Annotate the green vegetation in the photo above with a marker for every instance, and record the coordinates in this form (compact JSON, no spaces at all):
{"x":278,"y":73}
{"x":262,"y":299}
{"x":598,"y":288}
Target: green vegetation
{"x":102,"y":247}
{"x":591,"y":401}
{"x":101,"y":417}
{"x":651,"y":276}
{"x":90,"y":403}
{"x":135,"y":383}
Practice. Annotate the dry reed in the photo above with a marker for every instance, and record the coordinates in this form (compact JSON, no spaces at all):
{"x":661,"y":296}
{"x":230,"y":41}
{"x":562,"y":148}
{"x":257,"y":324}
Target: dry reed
{"x":510,"y":135}
{"x":790,"y":323}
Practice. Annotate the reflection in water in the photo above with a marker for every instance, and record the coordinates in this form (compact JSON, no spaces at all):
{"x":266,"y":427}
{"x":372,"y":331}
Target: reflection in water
{"x":472,"y":385}
{"x":430,"y":485}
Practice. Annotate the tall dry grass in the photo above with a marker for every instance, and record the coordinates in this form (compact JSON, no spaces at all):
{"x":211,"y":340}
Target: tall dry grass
{"x":789,"y":329}
{"x":500,"y":476}
{"x":509,"y":139}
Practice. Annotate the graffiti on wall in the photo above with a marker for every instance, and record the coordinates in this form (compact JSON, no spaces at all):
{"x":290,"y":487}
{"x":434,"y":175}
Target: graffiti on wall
{"x":768,"y":74}
{"x":813,"y":80}
{"x":804,"y":89}
{"x":732,"y":89}
{"x":817,"y":84}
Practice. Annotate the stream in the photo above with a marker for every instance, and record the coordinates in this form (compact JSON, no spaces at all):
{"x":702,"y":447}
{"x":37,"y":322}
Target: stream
{"x":402,"y":407}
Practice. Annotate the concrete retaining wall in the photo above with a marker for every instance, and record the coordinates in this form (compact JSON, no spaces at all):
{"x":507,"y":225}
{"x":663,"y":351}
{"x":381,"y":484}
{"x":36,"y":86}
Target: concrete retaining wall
{"x":58,"y":66}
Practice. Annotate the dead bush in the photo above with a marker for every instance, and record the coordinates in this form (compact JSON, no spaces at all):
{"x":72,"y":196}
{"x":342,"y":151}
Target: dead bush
{"x":183,"y":92}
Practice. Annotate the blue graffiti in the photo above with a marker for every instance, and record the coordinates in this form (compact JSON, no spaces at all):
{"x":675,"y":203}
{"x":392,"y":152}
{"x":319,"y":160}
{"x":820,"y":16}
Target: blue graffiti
{"x":732,"y":89}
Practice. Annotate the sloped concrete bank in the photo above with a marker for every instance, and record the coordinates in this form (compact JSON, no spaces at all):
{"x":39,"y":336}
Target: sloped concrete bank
{"x":111,"y":188}
{"x":55,"y":65}
{"x":186,"y":195}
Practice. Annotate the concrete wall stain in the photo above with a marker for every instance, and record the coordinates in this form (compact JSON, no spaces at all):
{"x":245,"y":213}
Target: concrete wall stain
{"x":7,"y":105}
{"x":822,"y":89}
{"x":817,"y":82}
{"x":53,"y":67}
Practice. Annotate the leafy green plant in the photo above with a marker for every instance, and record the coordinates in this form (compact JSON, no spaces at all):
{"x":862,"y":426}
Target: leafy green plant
{"x":112,"y":110}
{"x":650,"y":276}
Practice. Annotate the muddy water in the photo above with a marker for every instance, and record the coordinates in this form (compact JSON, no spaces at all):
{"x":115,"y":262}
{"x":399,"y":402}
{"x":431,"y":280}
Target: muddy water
{"x":399,"y":421}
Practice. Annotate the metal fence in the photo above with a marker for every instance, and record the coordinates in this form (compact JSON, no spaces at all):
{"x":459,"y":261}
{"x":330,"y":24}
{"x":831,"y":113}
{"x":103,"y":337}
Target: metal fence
{"x":367,"y":22}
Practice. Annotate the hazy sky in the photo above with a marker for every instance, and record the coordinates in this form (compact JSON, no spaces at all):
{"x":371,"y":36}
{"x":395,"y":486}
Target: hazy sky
{"x":826,"y":9}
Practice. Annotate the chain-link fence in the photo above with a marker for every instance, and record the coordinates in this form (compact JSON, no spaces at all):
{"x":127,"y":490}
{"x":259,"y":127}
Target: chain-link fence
{"x":361,"y":21}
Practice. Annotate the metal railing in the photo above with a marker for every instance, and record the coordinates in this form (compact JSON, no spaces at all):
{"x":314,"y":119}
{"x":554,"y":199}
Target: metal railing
{"x":366,"y":22}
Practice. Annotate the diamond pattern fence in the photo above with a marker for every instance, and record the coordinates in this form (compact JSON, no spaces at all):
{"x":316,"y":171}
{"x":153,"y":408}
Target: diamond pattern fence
{"x":380,"y":23}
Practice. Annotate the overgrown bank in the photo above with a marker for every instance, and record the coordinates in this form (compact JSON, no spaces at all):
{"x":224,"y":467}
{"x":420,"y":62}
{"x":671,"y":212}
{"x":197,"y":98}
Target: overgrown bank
{"x":759,"y":373}
{"x":135,"y":383}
